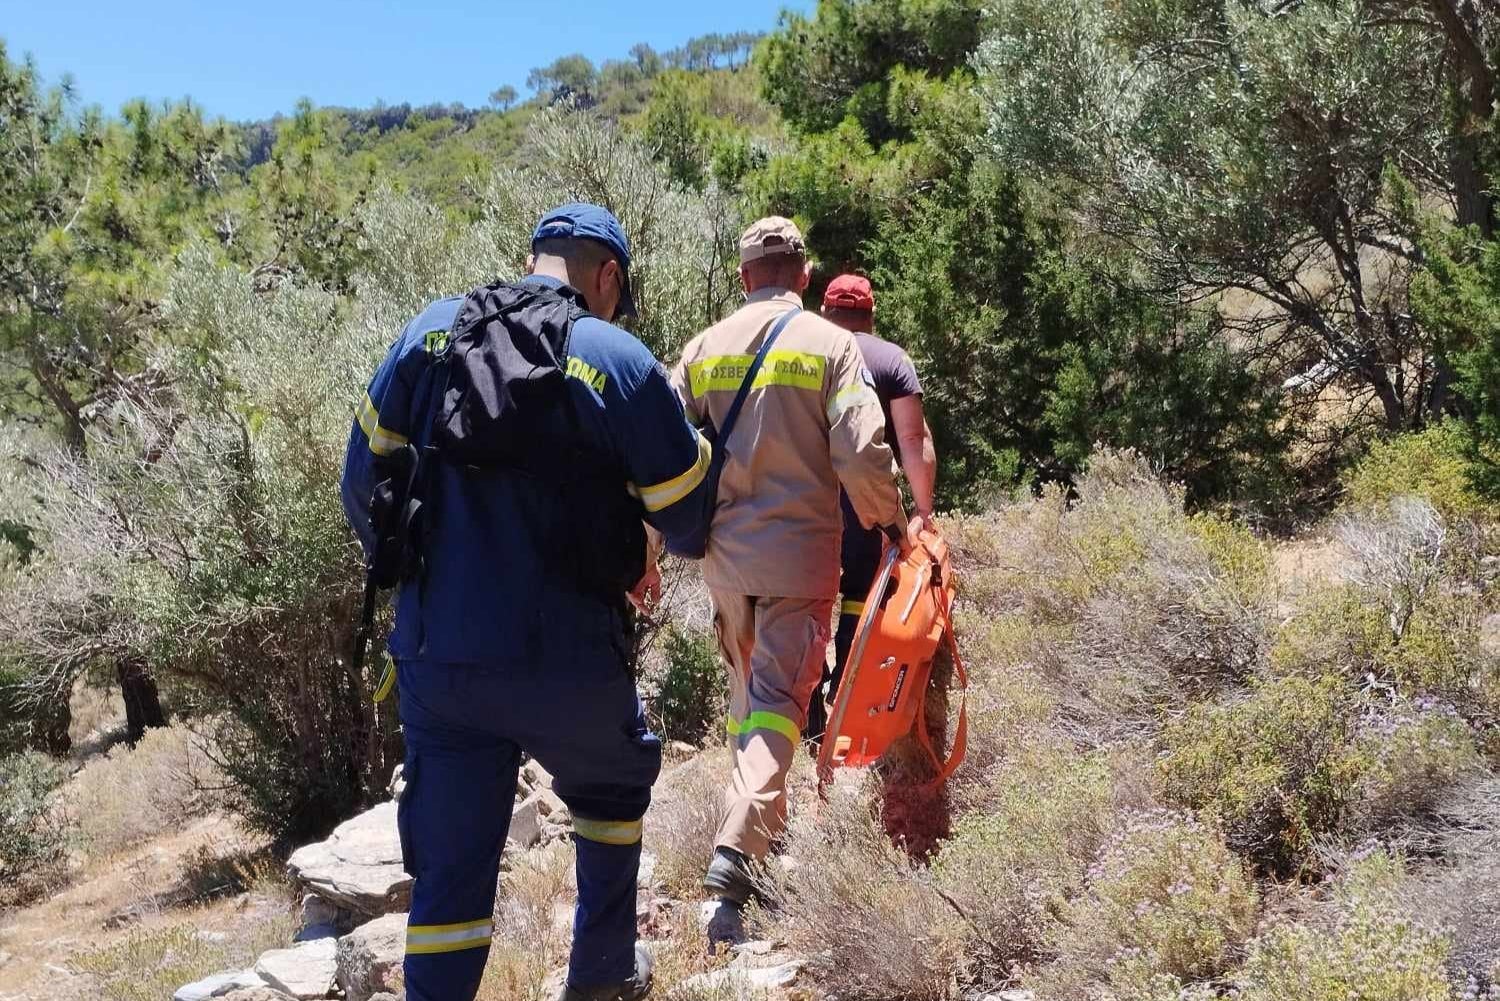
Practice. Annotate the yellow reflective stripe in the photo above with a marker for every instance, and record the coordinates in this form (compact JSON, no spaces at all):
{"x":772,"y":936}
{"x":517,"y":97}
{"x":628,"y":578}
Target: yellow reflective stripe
{"x":423,"y":939}
{"x":387,"y":681}
{"x":851,"y":608}
{"x":382,"y":442}
{"x":608,"y":832}
{"x":857,"y":395}
{"x":765,"y":720}
{"x":798,"y":369}
{"x":664,"y":495}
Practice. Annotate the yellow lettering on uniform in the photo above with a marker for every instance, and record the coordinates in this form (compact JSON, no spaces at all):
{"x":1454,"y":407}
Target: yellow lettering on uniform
{"x":797,"y":369}
{"x":586,"y":374}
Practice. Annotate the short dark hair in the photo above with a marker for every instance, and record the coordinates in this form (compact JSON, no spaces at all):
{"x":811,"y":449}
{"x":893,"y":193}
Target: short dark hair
{"x":581,"y":254}
{"x":775,"y":271}
{"x":843,"y":314}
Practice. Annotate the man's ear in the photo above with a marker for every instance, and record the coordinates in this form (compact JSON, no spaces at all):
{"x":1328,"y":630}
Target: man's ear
{"x":806,"y":280}
{"x":531,"y":264}
{"x":744,"y":279}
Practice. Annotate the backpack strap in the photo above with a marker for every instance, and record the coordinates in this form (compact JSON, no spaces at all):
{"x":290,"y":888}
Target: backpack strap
{"x":754,"y":370}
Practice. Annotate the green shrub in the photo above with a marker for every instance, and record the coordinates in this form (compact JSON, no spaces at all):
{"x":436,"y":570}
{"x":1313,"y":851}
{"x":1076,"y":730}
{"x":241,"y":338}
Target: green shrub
{"x":1437,"y":655}
{"x":1411,"y":756}
{"x":1275,"y":769}
{"x":1166,"y":904}
{"x":33,"y":839}
{"x":1431,"y":464}
{"x":688,"y":697}
{"x":1024,"y":845}
{"x":1372,"y":949}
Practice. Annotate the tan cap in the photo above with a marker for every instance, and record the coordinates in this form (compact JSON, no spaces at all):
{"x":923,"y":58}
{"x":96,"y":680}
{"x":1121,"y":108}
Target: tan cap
{"x":771,"y":235}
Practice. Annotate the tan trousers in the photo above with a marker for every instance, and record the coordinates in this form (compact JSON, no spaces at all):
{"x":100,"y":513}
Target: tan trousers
{"x":774,"y":650}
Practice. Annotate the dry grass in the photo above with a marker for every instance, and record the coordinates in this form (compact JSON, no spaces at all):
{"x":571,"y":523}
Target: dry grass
{"x":686,"y":808}
{"x":872,"y":922}
{"x":131,"y":794}
{"x":533,"y":925}
{"x":150,"y":963}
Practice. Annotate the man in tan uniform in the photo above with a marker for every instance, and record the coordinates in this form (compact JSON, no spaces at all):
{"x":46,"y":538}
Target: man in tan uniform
{"x":811,"y":423}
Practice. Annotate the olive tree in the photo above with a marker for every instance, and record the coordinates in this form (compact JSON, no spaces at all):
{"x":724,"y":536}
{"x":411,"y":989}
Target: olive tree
{"x":1242,"y":148}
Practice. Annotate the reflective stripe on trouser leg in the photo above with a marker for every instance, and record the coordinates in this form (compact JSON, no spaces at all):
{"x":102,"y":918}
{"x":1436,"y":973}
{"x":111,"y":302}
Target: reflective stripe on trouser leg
{"x":421,"y":939}
{"x":450,"y":844}
{"x":775,"y":649}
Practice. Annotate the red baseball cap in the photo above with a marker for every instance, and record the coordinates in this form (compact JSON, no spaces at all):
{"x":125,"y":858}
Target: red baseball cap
{"x":849,"y":292}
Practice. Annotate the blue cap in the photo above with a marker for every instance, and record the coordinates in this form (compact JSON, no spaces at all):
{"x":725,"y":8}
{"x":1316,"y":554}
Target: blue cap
{"x":583,"y":221}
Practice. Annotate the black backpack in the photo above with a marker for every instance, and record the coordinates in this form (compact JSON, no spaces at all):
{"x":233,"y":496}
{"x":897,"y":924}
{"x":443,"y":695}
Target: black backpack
{"x":506,"y":404}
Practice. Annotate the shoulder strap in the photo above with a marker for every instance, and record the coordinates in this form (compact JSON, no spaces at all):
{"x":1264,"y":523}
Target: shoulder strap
{"x":754,"y":370}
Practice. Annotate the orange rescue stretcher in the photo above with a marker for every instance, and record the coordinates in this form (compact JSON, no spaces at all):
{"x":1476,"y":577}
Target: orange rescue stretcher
{"x":883,"y":693}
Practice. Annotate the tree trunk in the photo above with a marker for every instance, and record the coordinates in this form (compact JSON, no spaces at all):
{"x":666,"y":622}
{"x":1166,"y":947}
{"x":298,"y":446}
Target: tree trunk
{"x":49,"y":727}
{"x":142,"y":701}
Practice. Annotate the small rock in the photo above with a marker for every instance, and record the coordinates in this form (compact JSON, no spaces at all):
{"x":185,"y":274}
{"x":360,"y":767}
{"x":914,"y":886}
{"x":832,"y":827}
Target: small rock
{"x":681,"y":748}
{"x":535,"y":776}
{"x":397,"y":784}
{"x":305,"y":971}
{"x":551,"y":803}
{"x":4,"y":957}
{"x":646,"y":875}
{"x":368,"y":954}
{"x":256,"y":994}
{"x":383,"y":996}
{"x":758,"y":947}
{"x":526,"y":823}
{"x":218,"y":985}
{"x":556,"y":830}
{"x":210,"y":936}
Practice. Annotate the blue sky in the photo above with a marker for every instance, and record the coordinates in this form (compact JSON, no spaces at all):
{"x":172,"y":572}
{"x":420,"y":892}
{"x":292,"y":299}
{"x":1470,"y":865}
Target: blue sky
{"x":250,"y":60}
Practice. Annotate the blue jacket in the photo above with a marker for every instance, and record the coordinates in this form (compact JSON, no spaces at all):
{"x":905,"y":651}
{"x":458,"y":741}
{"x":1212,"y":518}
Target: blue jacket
{"x":488,"y":593}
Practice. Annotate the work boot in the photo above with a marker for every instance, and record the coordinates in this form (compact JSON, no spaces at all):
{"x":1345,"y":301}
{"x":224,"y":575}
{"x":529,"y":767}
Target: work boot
{"x":724,"y":923}
{"x":729,"y":877}
{"x":633,"y":989}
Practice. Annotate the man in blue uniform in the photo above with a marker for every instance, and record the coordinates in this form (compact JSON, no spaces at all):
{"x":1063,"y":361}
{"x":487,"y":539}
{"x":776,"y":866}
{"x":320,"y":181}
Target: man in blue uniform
{"x":500,"y":651}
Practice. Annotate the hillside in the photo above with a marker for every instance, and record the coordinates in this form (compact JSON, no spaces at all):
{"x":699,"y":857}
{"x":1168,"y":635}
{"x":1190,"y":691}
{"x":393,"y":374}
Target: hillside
{"x":1198,"y":763}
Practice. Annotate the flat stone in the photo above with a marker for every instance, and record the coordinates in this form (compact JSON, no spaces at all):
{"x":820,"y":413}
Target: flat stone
{"x":218,"y":985}
{"x":730,"y":979}
{"x":306,"y":971}
{"x":257,"y":994}
{"x":359,"y":866}
{"x":551,"y":805}
{"x":368,"y":955}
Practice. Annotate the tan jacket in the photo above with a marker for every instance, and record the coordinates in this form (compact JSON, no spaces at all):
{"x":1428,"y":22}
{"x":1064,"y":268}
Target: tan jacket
{"x":812,"y":422}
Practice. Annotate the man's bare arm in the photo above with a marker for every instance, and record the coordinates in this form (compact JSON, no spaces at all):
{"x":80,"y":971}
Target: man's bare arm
{"x":918,"y":453}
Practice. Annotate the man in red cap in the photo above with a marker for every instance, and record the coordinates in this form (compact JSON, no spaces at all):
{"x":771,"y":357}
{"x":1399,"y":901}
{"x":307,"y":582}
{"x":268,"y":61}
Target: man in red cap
{"x":849,"y":302}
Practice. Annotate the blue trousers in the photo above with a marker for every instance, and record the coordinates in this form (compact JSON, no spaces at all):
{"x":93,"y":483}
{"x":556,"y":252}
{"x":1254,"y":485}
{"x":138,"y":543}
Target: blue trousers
{"x":859,"y":558}
{"x":466,"y":726}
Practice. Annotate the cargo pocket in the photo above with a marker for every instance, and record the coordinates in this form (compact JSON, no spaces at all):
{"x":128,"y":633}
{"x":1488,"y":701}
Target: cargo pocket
{"x":814,"y":664}
{"x":411,"y":774}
